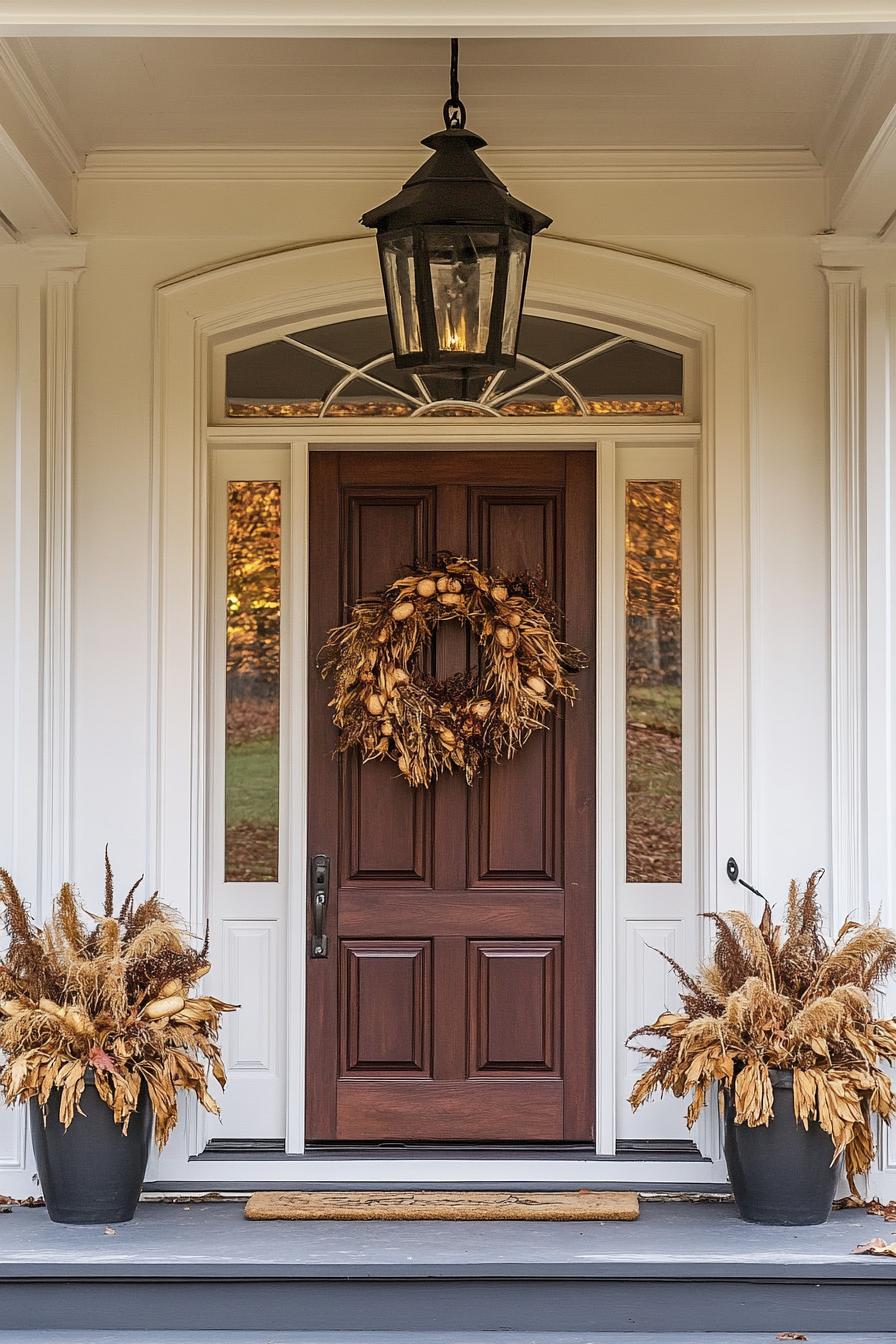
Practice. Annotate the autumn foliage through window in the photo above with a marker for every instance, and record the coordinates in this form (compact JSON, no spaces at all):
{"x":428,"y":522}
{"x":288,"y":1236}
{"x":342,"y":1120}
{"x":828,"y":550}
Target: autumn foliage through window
{"x":251,"y":790}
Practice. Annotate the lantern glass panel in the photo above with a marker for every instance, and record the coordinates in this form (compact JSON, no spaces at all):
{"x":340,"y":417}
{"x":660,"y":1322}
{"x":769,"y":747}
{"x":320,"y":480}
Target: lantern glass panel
{"x":399,"y":278}
{"x":513,"y":298}
{"x":462,"y":264}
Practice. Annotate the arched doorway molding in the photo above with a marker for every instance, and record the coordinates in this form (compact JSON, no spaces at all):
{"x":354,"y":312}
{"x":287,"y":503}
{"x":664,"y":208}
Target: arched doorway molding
{"x":252,"y":299}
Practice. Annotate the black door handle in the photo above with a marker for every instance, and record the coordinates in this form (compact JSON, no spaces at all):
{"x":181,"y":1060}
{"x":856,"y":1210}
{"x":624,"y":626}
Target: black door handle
{"x":319,"y":890}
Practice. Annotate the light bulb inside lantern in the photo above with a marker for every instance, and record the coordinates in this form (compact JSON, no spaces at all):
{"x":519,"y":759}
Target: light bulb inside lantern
{"x":462,"y":266}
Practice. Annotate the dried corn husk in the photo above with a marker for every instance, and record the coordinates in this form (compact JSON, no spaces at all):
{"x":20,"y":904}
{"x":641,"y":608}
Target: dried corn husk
{"x":163,"y":1007}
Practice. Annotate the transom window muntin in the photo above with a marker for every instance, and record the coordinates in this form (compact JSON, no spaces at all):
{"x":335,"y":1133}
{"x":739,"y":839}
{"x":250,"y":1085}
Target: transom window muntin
{"x":345,"y":369}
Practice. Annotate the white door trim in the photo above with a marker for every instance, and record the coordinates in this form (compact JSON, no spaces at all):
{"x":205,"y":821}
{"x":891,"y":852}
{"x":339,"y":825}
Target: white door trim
{"x":341,"y":279}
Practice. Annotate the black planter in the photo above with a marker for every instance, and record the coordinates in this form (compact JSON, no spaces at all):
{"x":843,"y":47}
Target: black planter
{"x":781,"y":1173}
{"x":91,"y":1172}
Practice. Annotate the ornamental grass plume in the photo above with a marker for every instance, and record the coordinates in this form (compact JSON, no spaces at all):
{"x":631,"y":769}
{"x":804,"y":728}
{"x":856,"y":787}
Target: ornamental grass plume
{"x":111,"y":995}
{"x":783,"y":996}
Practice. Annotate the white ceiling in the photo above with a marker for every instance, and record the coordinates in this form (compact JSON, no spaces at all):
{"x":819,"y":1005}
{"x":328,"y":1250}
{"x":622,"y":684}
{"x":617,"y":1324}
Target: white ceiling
{"x":712,"y":92}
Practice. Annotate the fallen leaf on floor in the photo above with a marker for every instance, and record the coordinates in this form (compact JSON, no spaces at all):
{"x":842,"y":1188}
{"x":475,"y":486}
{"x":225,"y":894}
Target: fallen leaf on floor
{"x":790,"y":1334}
{"x":885,"y":1211}
{"x":873,"y":1206}
{"x":877,"y":1246}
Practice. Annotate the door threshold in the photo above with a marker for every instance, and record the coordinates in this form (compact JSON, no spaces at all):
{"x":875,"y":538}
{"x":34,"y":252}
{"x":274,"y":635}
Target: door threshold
{"x":651,"y":1150}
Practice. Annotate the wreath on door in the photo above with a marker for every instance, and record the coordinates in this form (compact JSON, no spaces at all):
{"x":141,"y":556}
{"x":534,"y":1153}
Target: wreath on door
{"x":387,"y":706}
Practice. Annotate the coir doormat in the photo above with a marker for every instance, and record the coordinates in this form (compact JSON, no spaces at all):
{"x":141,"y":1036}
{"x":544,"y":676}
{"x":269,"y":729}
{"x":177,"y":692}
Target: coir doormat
{"x":448,"y":1205}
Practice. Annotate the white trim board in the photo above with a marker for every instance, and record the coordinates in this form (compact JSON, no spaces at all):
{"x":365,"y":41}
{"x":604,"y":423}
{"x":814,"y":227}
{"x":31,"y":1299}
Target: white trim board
{"x":340,"y":279}
{"x":364,"y":164}
{"x":209,"y":1174}
{"x":412,"y":18}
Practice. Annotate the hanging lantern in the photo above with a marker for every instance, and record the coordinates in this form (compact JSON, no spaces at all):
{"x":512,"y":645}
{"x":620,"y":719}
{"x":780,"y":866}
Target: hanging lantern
{"x":454,"y":253}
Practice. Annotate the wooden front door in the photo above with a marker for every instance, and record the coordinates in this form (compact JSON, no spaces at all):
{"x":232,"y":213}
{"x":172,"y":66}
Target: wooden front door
{"x":456,"y":1001}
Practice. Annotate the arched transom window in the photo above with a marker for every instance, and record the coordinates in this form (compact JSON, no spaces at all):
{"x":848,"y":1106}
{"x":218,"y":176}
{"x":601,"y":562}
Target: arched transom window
{"x":346,"y":369}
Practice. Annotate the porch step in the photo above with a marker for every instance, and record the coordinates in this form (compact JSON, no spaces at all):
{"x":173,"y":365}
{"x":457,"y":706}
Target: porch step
{"x":681,"y":1272}
{"x":415,"y":1337}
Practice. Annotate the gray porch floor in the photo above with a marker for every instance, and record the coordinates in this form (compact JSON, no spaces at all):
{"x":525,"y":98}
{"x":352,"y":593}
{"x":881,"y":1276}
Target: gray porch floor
{"x":682,"y":1272}
{"x":686,"y":1239}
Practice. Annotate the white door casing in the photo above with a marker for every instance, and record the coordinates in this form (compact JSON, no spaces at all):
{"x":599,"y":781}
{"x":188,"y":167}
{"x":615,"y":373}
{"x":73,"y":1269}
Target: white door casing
{"x":237,"y":303}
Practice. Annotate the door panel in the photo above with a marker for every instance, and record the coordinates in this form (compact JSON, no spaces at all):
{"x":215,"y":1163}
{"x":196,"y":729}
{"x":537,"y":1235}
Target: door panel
{"x":387,"y":1009}
{"x":457,"y":1002}
{"x":514,"y":1007}
{"x":386,"y":834}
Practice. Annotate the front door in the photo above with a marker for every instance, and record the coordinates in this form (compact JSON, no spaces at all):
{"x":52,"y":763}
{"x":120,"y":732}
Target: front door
{"x":457,"y":1000}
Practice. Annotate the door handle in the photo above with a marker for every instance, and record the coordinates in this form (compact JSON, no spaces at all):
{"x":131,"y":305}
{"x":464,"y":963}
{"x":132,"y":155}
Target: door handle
{"x":319,"y":890}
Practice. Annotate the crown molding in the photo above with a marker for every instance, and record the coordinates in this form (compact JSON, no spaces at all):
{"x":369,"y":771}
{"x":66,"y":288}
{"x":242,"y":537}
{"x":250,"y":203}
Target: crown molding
{"x":869,"y":199}
{"x":420,"y":18}
{"x":22,"y":72}
{"x":552,"y":165}
{"x":849,"y":103}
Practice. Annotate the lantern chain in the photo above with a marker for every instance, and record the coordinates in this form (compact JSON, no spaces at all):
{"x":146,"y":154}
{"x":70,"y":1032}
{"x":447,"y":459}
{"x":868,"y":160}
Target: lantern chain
{"x":454,"y":112}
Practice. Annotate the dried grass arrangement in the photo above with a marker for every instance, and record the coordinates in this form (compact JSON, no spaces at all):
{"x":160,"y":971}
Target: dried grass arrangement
{"x":112,"y":996}
{"x":782,"y":996}
{"x":388,"y":707}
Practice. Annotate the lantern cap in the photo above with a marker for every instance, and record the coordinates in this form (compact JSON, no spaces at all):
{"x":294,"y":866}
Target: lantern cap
{"x":455,"y":187}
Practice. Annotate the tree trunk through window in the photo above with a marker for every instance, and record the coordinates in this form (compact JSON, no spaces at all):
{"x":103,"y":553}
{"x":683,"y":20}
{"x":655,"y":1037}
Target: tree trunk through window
{"x":457,"y":1000}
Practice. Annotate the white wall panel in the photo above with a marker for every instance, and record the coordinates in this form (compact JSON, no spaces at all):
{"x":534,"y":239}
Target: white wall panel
{"x":12,"y":1126}
{"x":249,"y":977}
{"x":9,"y":364}
{"x":649,"y":987}
{"x":250,"y":953}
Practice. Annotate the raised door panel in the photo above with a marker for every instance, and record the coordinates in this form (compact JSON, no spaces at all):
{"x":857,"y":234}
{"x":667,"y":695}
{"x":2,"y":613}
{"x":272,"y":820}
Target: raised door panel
{"x":386,"y":1008}
{"x":515,"y":813}
{"x":514,"y":1013}
{"x":387,"y":827}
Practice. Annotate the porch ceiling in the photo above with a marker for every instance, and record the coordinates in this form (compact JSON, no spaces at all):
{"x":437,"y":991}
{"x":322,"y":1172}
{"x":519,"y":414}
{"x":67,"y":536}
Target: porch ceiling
{"x":628,"y":92}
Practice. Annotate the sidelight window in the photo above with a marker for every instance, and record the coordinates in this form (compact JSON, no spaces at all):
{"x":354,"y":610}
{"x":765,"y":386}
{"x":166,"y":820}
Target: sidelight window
{"x":252,"y":700}
{"x":653,"y":681}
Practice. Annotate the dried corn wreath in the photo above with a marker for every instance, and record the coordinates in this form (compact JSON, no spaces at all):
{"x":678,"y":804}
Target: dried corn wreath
{"x":784,"y":997}
{"x":114,"y":998}
{"x":384,"y":704}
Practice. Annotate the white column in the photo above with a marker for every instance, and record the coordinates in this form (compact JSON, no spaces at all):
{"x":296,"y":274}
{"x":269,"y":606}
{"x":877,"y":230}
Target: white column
{"x":57,"y":627}
{"x":880,"y":417}
{"x":847,"y":538}
{"x":36,"y":343}
{"x":863,"y":605}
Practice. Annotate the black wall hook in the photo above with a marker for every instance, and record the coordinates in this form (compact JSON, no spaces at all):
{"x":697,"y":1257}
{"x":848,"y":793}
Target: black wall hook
{"x":733,"y":871}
